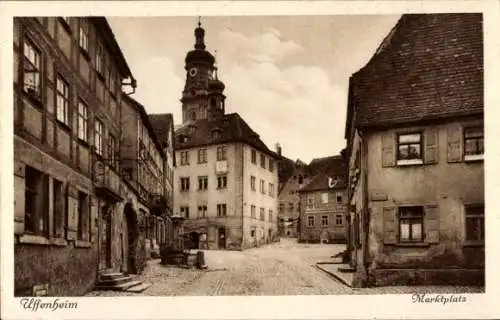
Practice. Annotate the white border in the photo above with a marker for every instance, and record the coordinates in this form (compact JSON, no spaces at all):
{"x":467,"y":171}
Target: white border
{"x":296,"y":307}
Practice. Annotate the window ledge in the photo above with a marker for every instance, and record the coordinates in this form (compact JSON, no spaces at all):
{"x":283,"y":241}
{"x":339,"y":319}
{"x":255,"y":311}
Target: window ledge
{"x":33,"y":239}
{"x":85,"y":53}
{"x":413,"y":162}
{"x":60,"y":242}
{"x":474,"y":158}
{"x":474,"y":244}
{"x":35,"y":99}
{"x":83,"y":244}
{"x":64,"y":125}
{"x":412,"y":245}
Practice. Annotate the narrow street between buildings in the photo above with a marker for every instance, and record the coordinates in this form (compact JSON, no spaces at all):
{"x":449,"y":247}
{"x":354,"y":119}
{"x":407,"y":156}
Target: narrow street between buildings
{"x":284,"y":268}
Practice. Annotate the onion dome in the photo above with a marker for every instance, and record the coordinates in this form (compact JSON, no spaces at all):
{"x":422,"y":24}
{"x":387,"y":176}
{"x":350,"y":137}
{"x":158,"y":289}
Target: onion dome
{"x":199,"y":54}
{"x":216,"y":84}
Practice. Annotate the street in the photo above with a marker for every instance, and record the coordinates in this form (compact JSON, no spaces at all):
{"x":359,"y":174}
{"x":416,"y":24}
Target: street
{"x":284,"y":268}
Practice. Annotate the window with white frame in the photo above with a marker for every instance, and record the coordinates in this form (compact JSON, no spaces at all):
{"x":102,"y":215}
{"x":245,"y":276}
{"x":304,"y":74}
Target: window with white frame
{"x":409,"y":149}
{"x":474,"y":223}
{"x":184,"y":184}
{"x":112,"y":150}
{"x":221,"y":153}
{"x":338,"y":219}
{"x":262,"y":186}
{"x":252,"y":183}
{"x":310,"y":201}
{"x":254,"y":157}
{"x":185,"y":212}
{"x":184,"y":158}
{"x":221,"y":210}
{"x":324,"y":197}
{"x":324,"y":221}
{"x":221,"y":182}
{"x":62,"y":101}
{"x":202,"y":156}
{"x":202,"y":211}
{"x":32,"y":70}
{"x":253,"y":211}
{"x":99,"y":59}
{"x":473,"y":143}
{"x":98,"y":137}
{"x":84,"y":34}
{"x":310,"y":221}
{"x":411,"y":221}
{"x":262,"y":213}
{"x":202,"y":183}
{"x":83,"y":117}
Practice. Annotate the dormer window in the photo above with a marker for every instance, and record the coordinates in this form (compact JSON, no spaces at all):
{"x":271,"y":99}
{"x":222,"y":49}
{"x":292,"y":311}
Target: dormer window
{"x":216,"y":133}
{"x":183,"y":138}
{"x":192,"y":115}
{"x":191,"y":129}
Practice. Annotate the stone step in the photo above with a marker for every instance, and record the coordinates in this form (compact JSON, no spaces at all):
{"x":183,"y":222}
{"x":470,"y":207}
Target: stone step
{"x":118,"y":287}
{"x":116,"y":280}
{"x":112,"y":275}
{"x":139,"y":288}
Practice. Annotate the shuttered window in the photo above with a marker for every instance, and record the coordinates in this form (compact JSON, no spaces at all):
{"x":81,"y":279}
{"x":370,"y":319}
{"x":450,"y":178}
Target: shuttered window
{"x":474,"y":223}
{"x":60,"y":209}
{"x":473,"y":143}
{"x":409,"y":224}
{"x":411,"y":221}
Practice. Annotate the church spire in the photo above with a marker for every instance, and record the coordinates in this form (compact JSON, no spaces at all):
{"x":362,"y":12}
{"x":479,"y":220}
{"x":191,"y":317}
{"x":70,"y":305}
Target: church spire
{"x":199,"y":34}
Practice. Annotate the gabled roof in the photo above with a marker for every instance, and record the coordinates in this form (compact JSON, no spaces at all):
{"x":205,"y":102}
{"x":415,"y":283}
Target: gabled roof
{"x":230,"y":127}
{"x":162,"y":123}
{"x":319,"y":164}
{"x":106,"y":32}
{"x":145,"y":120}
{"x":331,"y":167}
{"x":429,"y":67}
{"x":286,"y":168}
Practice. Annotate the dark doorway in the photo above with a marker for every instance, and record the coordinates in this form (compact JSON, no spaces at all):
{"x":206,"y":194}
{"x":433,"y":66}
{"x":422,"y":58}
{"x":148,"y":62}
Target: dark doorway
{"x":132,"y":232}
{"x":105,"y":254}
{"x":222,"y":238}
{"x":194,"y":238}
{"x":270,"y":235}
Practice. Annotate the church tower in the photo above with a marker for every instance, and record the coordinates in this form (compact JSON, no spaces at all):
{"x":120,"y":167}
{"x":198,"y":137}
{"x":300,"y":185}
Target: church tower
{"x":202,"y":97}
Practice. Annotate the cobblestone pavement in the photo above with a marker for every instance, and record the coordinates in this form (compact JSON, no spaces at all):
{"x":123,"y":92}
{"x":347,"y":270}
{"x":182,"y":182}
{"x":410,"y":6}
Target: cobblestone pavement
{"x":284,"y":268}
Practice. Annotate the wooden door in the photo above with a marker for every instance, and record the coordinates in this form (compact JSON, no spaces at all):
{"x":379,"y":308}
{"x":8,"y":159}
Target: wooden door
{"x":105,"y":254}
{"x":222,"y":238}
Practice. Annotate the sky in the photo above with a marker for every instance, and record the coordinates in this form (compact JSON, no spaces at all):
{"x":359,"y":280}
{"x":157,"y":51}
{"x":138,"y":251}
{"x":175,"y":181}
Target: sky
{"x":287,"y":76}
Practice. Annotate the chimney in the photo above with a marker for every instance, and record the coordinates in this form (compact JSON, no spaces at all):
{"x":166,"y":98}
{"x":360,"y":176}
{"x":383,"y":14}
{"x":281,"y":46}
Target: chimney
{"x":278,"y":149}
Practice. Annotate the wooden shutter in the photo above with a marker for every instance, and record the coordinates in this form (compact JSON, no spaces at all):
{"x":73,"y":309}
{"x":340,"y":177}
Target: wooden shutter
{"x":72,"y":229}
{"x":390,"y":225}
{"x":60,"y":209}
{"x":93,"y":217}
{"x":431,"y":224}
{"x":388,"y":150}
{"x":43,"y":212}
{"x":19,"y":201}
{"x":454,"y":137}
{"x":431,"y":146}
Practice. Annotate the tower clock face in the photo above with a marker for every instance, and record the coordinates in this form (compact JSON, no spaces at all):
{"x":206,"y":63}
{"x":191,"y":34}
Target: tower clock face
{"x":193,"y":72}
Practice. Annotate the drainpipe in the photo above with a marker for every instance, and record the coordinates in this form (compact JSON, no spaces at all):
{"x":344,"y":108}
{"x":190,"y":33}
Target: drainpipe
{"x":366,"y":210}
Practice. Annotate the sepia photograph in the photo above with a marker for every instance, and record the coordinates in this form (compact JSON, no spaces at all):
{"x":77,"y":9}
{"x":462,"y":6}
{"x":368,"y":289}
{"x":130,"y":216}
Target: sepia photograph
{"x":247,"y":155}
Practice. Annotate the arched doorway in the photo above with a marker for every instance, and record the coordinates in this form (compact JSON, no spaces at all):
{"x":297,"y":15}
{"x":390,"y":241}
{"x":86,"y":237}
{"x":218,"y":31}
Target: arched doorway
{"x":132,"y":236}
{"x":323,"y":238}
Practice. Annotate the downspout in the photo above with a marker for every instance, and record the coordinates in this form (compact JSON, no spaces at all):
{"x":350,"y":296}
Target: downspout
{"x":366,"y":209}
{"x":243,"y":197}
